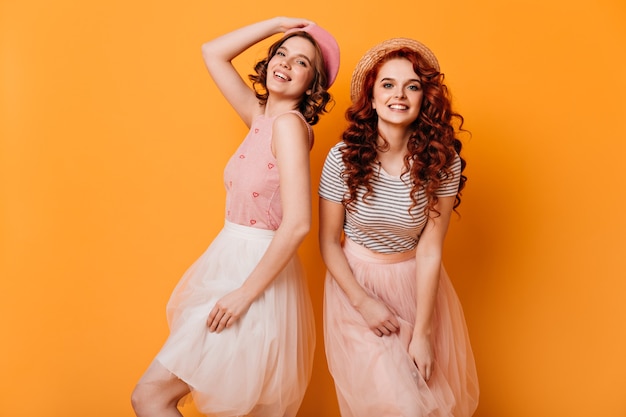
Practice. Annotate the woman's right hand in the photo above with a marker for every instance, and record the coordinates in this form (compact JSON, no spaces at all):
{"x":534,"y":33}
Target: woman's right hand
{"x":378,"y":317}
{"x":287,"y":23}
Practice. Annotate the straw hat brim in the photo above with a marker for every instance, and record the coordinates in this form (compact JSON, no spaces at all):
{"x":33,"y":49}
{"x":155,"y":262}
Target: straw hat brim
{"x":375,"y":54}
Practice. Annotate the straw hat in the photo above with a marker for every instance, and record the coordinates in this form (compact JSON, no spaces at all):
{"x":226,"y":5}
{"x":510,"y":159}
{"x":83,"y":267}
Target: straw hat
{"x":374,"y":55}
{"x":329,"y":47}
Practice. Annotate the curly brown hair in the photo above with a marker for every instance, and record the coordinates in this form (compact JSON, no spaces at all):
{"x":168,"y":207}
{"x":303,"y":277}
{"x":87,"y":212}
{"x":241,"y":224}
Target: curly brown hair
{"x":432,"y":147}
{"x":311,"y":105}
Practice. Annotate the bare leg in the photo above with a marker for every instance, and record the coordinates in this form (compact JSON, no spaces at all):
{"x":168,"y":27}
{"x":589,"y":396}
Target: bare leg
{"x":158,"y":392}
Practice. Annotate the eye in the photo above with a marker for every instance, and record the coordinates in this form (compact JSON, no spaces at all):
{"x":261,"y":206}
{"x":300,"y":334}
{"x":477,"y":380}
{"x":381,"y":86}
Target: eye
{"x":414,"y":87}
{"x":387,"y":85}
{"x":280,"y":53}
{"x":301,"y":62}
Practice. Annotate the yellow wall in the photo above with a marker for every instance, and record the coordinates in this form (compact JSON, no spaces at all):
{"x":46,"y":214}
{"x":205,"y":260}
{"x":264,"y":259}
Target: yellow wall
{"x":112,"y":145}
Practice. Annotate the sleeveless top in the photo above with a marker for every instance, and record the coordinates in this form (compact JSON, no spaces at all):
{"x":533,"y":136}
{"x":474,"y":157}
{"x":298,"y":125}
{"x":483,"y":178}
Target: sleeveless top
{"x":382,"y":223}
{"x":251,"y":178}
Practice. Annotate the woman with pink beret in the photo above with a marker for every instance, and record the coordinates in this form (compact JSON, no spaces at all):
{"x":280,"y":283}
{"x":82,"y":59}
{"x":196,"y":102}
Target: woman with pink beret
{"x":242,"y":333}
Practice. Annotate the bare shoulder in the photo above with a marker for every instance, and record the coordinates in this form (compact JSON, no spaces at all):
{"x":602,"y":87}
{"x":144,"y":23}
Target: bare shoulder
{"x":291,"y":125}
{"x":291,"y":120}
{"x":290,"y":135}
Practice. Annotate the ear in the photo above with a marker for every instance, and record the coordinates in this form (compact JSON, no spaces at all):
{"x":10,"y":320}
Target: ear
{"x":308,"y":92}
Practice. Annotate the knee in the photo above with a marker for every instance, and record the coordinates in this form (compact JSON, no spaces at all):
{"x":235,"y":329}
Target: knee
{"x":140,"y":400}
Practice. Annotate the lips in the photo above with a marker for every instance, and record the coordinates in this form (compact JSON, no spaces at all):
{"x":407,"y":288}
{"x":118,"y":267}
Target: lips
{"x":282,"y":76}
{"x":398,"y":107}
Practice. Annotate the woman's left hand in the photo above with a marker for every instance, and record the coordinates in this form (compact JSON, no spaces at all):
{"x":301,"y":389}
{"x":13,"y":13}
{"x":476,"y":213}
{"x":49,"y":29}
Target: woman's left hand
{"x":421,"y":350}
{"x":228,"y":310}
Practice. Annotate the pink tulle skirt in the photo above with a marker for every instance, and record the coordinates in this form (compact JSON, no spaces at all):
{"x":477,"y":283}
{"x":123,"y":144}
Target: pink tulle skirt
{"x":261,"y":365}
{"x":375,"y":376}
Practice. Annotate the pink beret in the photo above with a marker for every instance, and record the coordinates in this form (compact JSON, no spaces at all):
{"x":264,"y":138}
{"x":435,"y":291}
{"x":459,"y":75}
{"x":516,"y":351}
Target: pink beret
{"x":328,"y":46}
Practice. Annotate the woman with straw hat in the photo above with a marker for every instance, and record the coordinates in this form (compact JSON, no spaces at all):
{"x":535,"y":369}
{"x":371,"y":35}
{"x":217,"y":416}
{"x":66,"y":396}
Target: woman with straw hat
{"x":395,"y":335}
{"x":242,"y":334}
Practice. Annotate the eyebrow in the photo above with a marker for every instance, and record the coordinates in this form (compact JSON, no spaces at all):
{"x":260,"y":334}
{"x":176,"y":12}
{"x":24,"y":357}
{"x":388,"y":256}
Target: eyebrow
{"x":416,"y":80}
{"x":298,"y":55}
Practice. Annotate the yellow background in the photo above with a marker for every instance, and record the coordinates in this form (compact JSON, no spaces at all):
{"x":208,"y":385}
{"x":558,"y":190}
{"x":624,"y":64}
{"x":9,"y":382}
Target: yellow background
{"x":113,"y":140}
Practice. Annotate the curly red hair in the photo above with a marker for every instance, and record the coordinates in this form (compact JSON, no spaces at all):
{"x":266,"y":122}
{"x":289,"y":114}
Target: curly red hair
{"x":432,"y":147}
{"x":312,"y":105}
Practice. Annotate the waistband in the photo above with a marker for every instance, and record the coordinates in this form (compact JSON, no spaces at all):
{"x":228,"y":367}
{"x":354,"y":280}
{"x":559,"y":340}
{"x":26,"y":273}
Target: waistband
{"x":375,"y":257}
{"x":247,"y":231}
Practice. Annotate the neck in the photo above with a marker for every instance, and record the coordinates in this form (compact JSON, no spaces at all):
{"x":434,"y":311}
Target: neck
{"x":396,"y":136}
{"x":275,"y":106}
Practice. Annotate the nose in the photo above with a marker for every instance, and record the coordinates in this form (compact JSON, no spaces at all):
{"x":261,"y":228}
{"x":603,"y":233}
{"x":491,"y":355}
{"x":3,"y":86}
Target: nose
{"x":399,"y":93}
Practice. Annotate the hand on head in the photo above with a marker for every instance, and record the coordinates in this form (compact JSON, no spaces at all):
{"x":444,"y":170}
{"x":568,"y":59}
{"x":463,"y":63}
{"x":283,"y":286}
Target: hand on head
{"x":291,"y":23}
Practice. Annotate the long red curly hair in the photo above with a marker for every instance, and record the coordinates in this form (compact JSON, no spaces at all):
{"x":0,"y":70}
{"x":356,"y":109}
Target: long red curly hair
{"x":432,"y":147}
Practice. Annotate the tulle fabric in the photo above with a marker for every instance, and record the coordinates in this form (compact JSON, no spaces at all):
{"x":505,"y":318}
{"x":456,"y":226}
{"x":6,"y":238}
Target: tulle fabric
{"x":262,"y":364}
{"x":375,"y":376}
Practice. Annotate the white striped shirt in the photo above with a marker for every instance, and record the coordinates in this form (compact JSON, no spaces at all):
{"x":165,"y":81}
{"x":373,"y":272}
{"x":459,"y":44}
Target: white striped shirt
{"x":383,"y":223}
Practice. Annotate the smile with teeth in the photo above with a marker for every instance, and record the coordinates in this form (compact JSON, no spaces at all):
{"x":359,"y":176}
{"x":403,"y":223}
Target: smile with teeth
{"x":281,"y":76}
{"x":398,"y":107}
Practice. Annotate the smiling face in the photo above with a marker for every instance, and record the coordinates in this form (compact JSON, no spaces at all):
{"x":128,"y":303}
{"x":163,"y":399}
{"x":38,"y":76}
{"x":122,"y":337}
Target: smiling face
{"x":290,"y":71}
{"x":397,"y":94}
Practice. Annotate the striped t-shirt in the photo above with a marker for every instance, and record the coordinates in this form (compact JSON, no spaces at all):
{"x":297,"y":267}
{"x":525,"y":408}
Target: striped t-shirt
{"x":382,"y":223}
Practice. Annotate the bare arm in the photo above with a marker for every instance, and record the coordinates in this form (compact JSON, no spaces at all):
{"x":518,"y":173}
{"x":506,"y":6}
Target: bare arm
{"x":429,"y":256}
{"x":376,"y":314}
{"x":219,"y":53}
{"x":291,"y":142}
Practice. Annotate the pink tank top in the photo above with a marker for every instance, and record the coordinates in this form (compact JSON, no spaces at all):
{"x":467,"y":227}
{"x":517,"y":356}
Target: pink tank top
{"x":251,"y":178}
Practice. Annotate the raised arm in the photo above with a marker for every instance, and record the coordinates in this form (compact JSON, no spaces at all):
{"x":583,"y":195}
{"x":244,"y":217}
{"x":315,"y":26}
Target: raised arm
{"x":219,"y":53}
{"x":291,"y":144}
{"x":375,"y":313}
{"x":428,"y":261}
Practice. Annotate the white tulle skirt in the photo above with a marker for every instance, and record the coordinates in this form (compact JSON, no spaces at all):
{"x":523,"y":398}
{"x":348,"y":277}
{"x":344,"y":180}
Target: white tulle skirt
{"x":375,"y":376}
{"x":262,"y":364}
